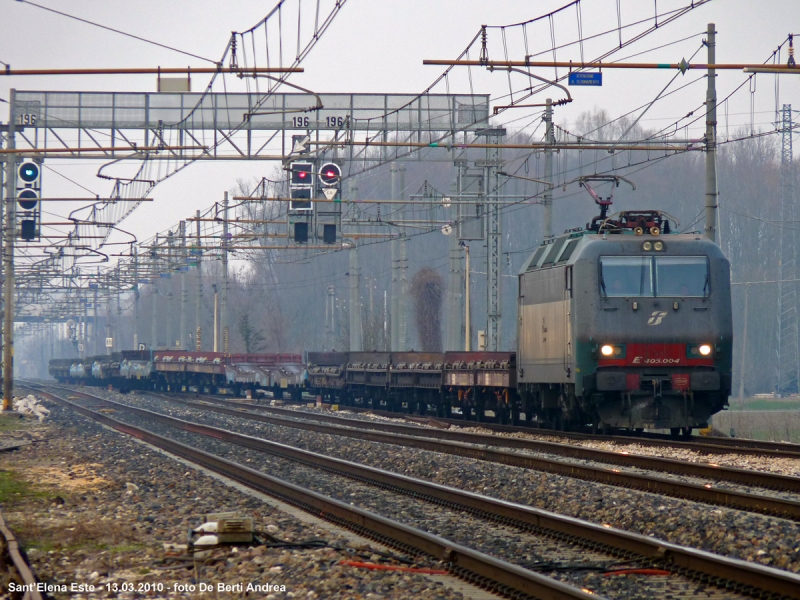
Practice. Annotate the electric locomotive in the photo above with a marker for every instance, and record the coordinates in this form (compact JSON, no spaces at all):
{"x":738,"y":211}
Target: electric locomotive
{"x":625,"y":325}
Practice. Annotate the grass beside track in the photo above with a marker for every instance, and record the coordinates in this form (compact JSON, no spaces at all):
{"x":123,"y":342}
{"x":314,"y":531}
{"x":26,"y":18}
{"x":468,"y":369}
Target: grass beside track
{"x":763,"y":404}
{"x":13,"y":423}
{"x":774,"y":425}
{"x":30,"y":482}
{"x":14,"y":487}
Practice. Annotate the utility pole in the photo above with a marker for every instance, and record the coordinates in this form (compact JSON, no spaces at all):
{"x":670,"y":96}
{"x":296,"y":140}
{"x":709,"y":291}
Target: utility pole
{"x":385,"y":347}
{"x":402,"y":328}
{"x":225,"y":243}
{"x":168,"y":311}
{"x":2,"y":240}
{"x":330,"y":309}
{"x":94,"y":321}
{"x":743,"y":365}
{"x":327,"y":334}
{"x":397,"y":299}
{"x":711,"y":138}
{"x":399,"y":268}
{"x":8,"y":259}
{"x":198,"y":340}
{"x":547,"y":200}
{"x":216,"y":317}
{"x":135,"y":298}
{"x":3,"y":199}
{"x":454,"y":295}
{"x":184,"y":293}
{"x":788,"y":380}
{"x":332,"y":303}
{"x":468,"y":332}
{"x":84,"y":338}
{"x":494,"y":239}
{"x":109,"y":348}
{"x":403,"y":303}
{"x":118,"y":328}
{"x":454,"y":320}
{"x":154,"y":296}
{"x":355,"y":301}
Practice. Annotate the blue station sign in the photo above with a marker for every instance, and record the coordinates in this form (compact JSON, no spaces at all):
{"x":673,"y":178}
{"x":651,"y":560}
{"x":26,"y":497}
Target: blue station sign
{"x":586,"y":78}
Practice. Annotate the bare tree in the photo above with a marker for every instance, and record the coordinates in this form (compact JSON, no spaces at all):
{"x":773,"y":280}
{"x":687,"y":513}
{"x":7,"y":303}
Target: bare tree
{"x":261,"y":215}
{"x":426,"y":288}
{"x":254,"y":340}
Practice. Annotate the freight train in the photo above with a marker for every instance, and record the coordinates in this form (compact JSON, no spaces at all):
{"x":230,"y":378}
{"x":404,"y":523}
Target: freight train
{"x":180,"y":370}
{"x":621,"y":324}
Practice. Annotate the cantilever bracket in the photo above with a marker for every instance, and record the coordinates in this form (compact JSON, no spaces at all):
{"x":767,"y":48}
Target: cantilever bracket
{"x":543,"y":80}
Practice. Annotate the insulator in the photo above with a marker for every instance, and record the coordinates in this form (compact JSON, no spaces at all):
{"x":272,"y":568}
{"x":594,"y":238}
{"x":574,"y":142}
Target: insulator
{"x":234,"y":62}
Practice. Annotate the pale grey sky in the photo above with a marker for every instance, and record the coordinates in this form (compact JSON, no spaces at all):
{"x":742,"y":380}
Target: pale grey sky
{"x":378,"y":46}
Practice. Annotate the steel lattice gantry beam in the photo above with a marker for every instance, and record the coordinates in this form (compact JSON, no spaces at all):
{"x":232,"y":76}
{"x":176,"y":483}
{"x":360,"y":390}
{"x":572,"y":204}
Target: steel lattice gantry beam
{"x":234,"y":126}
{"x":244,"y":126}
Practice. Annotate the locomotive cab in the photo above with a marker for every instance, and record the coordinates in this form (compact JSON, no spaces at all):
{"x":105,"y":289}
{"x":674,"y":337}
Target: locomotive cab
{"x":628,"y":329}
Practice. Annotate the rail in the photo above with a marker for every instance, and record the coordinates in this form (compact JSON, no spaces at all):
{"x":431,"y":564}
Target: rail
{"x":744,"y":576}
{"x":654,"y":463}
{"x":464,"y":562}
{"x":711,"y":445}
{"x":20,"y":564}
{"x":707,"y":493}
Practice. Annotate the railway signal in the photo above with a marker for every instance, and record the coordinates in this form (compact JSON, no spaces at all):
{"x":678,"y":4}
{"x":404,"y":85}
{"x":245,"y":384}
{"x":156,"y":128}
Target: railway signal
{"x":301,"y":185}
{"x":300,"y":144}
{"x":29,"y":175}
{"x":301,"y":232}
{"x":302,"y":174}
{"x":330,"y":174}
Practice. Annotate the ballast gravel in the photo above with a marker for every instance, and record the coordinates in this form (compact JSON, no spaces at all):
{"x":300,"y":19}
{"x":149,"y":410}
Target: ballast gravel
{"x":597,"y":464}
{"x":752,"y":537}
{"x":104,"y":506}
{"x":779,"y":465}
{"x":574,"y":562}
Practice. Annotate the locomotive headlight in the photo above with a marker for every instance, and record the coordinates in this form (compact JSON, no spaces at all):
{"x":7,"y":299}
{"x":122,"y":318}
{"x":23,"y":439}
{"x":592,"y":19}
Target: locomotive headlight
{"x":700,"y":351}
{"x":647,"y":246}
{"x":609,"y":351}
{"x":658,"y":246}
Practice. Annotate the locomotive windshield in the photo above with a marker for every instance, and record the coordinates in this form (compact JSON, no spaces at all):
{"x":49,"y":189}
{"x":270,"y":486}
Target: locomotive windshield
{"x":649,"y":276}
{"x":625,"y":276}
{"x":681,"y":276}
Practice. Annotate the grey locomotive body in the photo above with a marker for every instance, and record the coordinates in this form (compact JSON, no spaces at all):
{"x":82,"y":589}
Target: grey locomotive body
{"x":625,"y":330}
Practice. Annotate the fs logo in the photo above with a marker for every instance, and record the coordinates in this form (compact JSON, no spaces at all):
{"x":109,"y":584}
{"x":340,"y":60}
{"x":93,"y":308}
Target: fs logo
{"x":656,"y":317}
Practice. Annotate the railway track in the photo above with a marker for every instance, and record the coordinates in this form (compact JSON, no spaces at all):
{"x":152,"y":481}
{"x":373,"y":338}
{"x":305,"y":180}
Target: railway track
{"x":713,"y":471}
{"x":474,"y":446}
{"x":715,"y":445}
{"x":731,"y":577}
{"x":19,"y":570}
{"x":712,"y":445}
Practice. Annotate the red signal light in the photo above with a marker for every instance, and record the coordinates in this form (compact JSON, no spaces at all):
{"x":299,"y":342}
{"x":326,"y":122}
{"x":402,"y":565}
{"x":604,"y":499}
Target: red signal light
{"x":330,"y":174}
{"x":302,"y":173}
